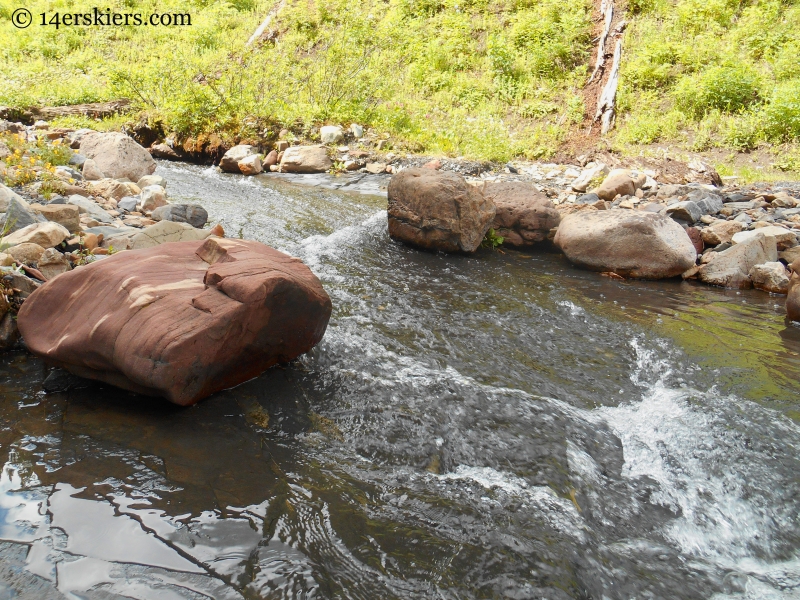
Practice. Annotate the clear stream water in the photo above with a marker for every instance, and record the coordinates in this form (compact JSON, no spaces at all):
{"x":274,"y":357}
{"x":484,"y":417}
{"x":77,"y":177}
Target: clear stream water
{"x":493,"y":426}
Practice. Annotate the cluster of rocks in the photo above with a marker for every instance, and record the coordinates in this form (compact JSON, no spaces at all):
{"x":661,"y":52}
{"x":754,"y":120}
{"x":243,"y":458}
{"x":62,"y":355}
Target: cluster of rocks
{"x":331,"y":155}
{"x":627,"y":226}
{"x":440,"y":210}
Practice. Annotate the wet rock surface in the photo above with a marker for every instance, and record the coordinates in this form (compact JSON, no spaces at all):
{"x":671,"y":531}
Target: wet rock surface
{"x":438,"y":211}
{"x":182,"y":320}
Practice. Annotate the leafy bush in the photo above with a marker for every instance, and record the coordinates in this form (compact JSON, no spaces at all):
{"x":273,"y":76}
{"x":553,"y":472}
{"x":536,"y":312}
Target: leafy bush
{"x":724,"y":88}
{"x":782,"y":114}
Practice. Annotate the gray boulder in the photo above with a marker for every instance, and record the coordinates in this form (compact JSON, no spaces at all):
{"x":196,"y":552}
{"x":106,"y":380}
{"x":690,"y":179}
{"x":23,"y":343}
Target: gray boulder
{"x":6,"y":195}
{"x":117,"y":156}
{"x":629,"y":243}
{"x":731,"y":268}
{"x":331,"y":134}
{"x":193,"y":214}
{"x":128,"y":203}
{"x":18,"y":215}
{"x":91,"y":208}
{"x":698,"y":205}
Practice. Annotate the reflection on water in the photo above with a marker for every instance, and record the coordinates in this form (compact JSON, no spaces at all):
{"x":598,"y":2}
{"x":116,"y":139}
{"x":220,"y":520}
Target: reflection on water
{"x":499,"y":425}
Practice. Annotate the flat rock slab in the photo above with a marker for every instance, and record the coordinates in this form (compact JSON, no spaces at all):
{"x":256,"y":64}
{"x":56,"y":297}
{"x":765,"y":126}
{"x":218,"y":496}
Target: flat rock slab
{"x":731,"y":268}
{"x":181,"y":320}
{"x":629,"y":243}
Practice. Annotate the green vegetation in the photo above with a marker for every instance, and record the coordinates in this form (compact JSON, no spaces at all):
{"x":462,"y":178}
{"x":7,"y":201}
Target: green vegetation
{"x":487,"y":79}
{"x":491,"y":240}
{"x":28,"y":161}
{"x":483,"y":78}
{"x":712,"y":74}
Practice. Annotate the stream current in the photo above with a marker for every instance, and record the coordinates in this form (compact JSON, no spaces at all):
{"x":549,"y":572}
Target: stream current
{"x":494,"y":426}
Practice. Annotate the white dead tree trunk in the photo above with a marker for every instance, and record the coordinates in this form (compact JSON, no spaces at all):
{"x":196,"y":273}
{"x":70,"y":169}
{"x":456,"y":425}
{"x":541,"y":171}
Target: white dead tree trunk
{"x":266,"y":22}
{"x":605,"y":104}
{"x":607,"y":11}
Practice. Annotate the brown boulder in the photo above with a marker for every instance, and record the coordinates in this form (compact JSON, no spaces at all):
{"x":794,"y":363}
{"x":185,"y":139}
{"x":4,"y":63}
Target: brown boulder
{"x":438,"y":210}
{"x":620,"y":182}
{"x":697,"y":239}
{"x":626,"y":242}
{"x":305,"y":159}
{"x":230,"y":160}
{"x":26,"y":253}
{"x":271,"y":159}
{"x":117,"y":156}
{"x":793,"y":294}
{"x":63,"y":214}
{"x":181,"y":320}
{"x":524,"y":215}
{"x":721,"y":232}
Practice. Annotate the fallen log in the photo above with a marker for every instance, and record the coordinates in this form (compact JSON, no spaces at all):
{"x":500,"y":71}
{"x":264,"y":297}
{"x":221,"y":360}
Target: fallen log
{"x":93,"y":110}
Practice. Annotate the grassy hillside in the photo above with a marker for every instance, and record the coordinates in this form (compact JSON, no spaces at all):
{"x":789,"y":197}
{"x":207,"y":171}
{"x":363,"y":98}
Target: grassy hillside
{"x":487,"y":79}
{"x":712,"y":73}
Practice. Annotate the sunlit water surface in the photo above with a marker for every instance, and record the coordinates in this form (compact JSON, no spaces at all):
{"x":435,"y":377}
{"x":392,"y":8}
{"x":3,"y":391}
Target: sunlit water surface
{"x":493,"y":426}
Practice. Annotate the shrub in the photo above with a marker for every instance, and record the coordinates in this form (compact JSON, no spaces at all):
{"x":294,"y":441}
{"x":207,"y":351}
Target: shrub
{"x":725,"y":88}
{"x":782,"y":114}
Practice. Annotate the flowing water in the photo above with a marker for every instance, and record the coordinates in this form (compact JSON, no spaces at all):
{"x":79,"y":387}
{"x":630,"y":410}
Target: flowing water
{"x":494,"y":426}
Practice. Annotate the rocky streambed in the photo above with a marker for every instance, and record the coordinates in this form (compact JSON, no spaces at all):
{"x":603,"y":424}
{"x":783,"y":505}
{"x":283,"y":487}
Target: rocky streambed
{"x":497,"y":423}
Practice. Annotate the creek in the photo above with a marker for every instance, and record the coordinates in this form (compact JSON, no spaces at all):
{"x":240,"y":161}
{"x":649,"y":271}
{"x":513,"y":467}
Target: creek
{"x":500,"y":425}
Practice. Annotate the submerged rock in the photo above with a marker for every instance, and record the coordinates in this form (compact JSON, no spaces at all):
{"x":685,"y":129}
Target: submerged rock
{"x":182,"y":320}
{"x":629,"y":243}
{"x":524,"y":215}
{"x":9,"y":332}
{"x":438,"y":210}
{"x":793,"y":293}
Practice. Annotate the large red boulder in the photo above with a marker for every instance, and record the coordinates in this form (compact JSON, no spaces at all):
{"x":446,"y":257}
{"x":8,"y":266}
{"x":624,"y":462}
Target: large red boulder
{"x":180,"y":320}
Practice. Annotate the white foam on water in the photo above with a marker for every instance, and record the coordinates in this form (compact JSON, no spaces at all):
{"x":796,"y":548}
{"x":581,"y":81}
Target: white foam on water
{"x":687,"y":441}
{"x":318,"y":247}
{"x":561,"y":514}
